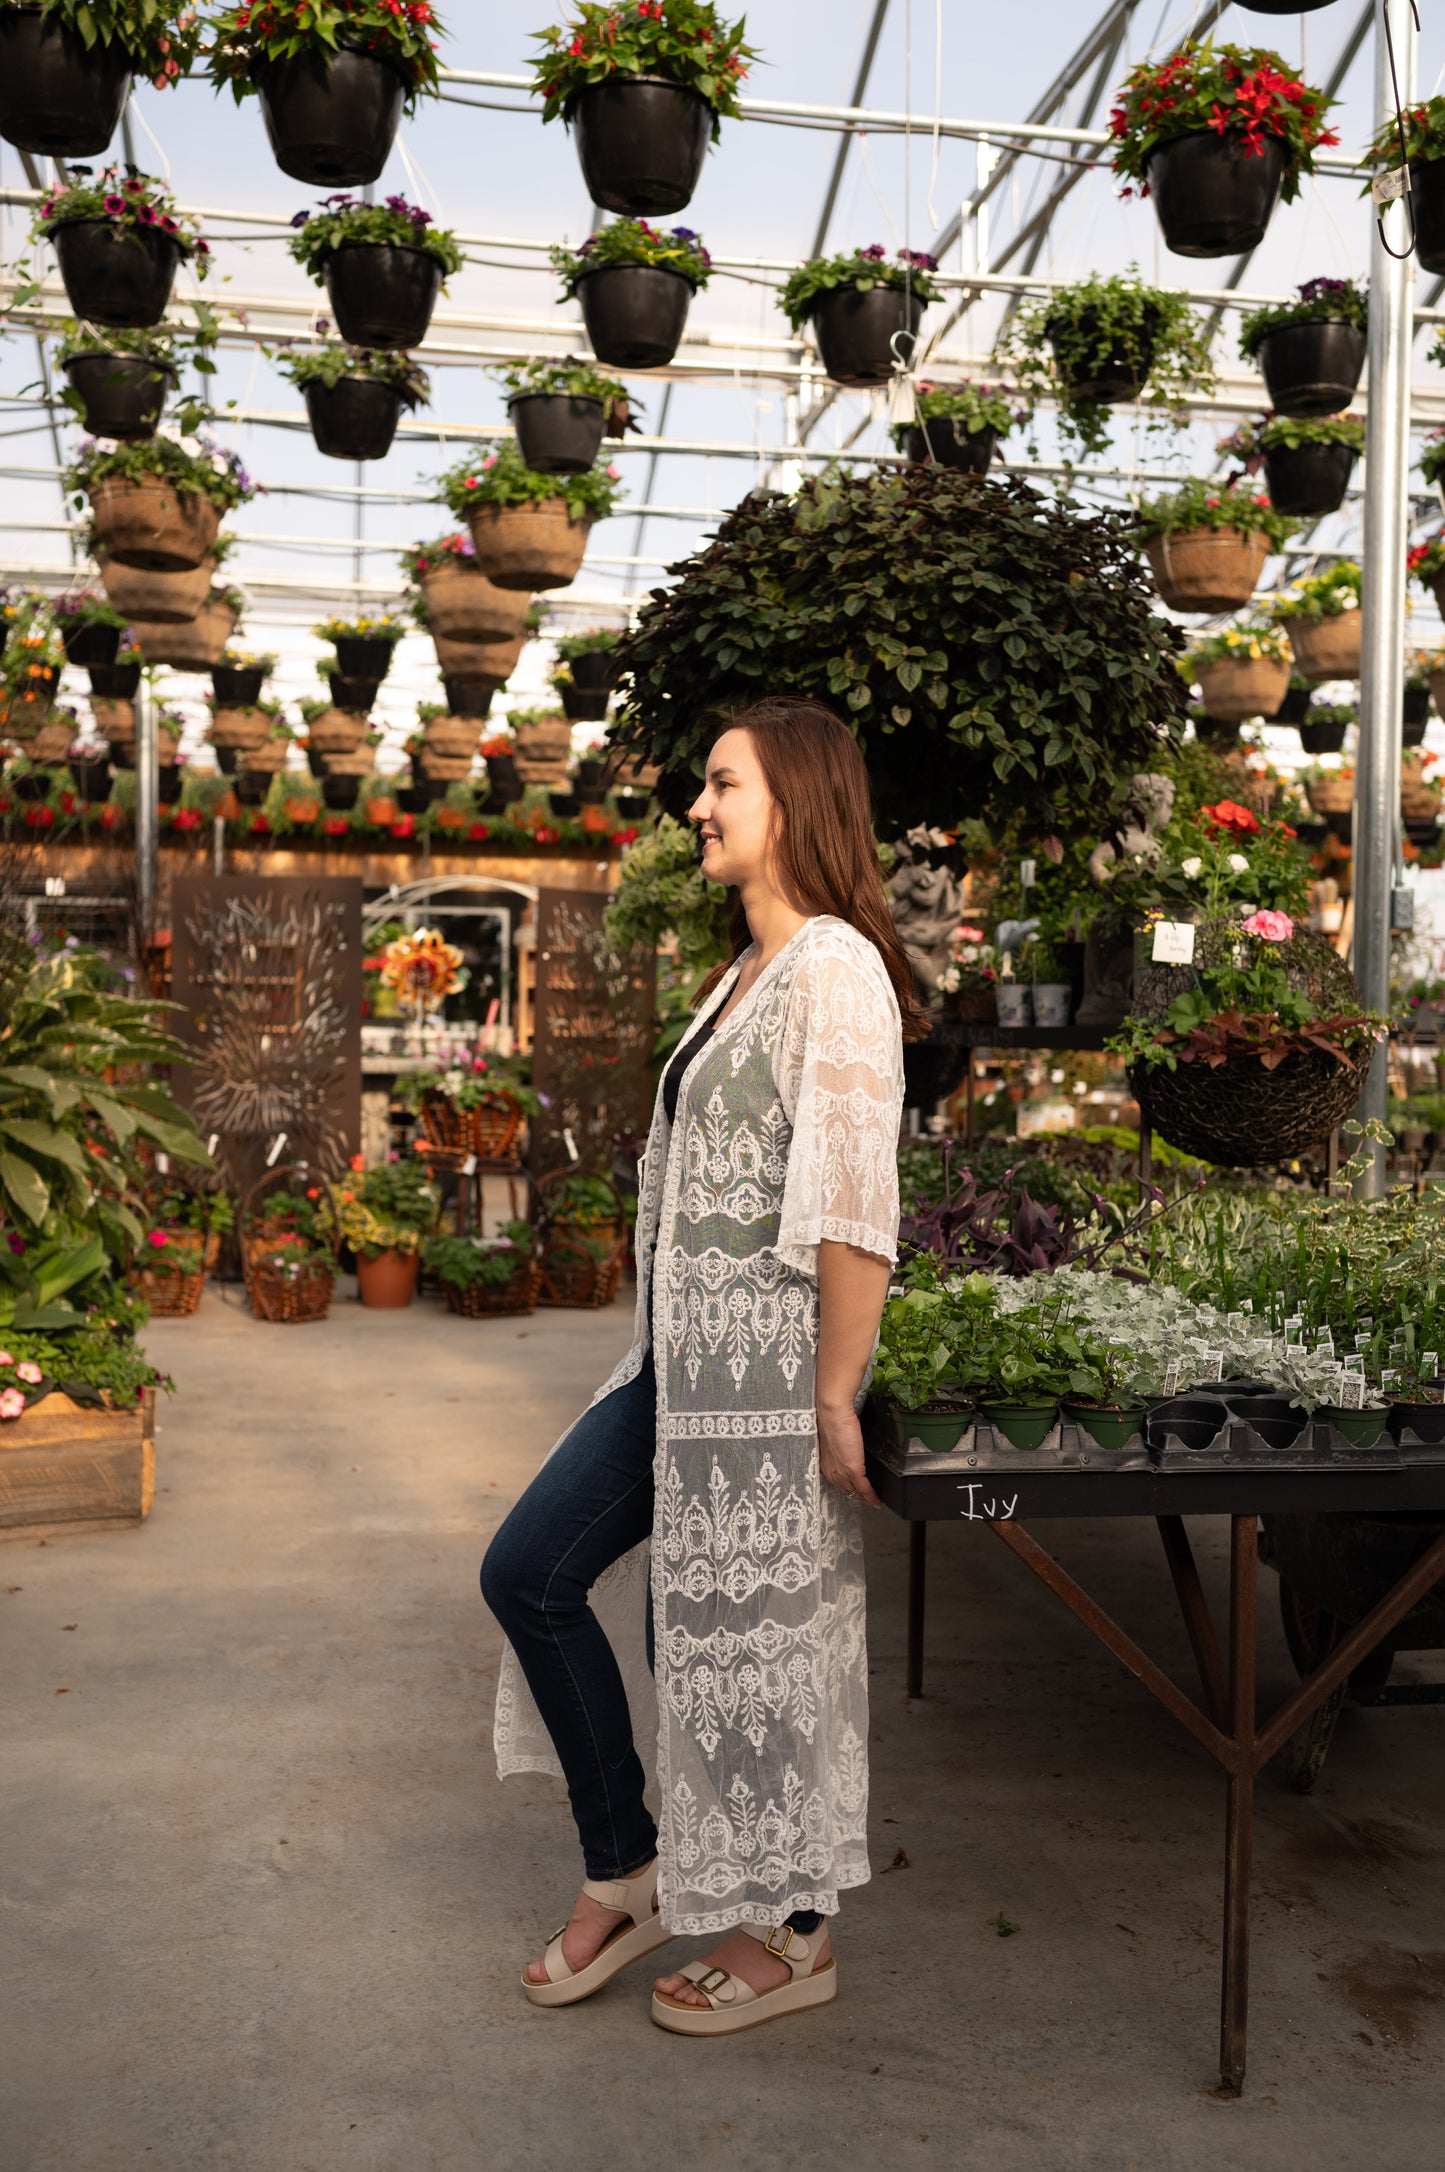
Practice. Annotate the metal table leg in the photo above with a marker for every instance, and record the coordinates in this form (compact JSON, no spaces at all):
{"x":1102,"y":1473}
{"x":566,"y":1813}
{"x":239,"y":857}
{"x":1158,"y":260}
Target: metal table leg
{"x":917,"y":1586}
{"x":1239,"y":1813}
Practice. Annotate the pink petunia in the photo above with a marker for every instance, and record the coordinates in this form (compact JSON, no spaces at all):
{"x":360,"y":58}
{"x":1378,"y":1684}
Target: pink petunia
{"x":12,"y":1402}
{"x":5,"y":1358}
{"x":1270,"y":927}
{"x":157,"y":1237}
{"x":30,"y":1374}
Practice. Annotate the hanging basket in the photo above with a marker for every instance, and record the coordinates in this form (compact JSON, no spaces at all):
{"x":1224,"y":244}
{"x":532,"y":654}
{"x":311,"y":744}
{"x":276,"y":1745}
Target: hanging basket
{"x":470,"y":697}
{"x":1251,"y":686}
{"x":151,"y":525}
{"x":1207,"y":569}
{"x":558,"y":433}
{"x":382,"y":293}
{"x":173,"y":1293}
{"x":117,"y":276}
{"x":115,"y":682}
{"x":285,"y":1299}
{"x":1323,"y":738}
{"x":1327,"y":648}
{"x":114,"y":720}
{"x":332,"y":122}
{"x":584,"y":706}
{"x":635,"y":314}
{"x":863,"y":337}
{"x":494,"y":660}
{"x":1312,"y":368}
{"x":237,"y":686}
{"x":23,"y":714}
{"x":1118,"y":367}
{"x":573,"y":1275}
{"x":1242,"y":1114}
{"x":58,"y":95}
{"x":944,"y":445}
{"x":455,"y":737}
{"x":162,"y":599}
{"x":642,"y":141}
{"x":337,"y":731}
{"x":194,"y":647}
{"x":1419,"y":801}
{"x":88,"y":642}
{"x":1309,"y":481}
{"x":532,"y":546}
{"x":463,"y":605}
{"x":354,"y":419}
{"x":1331,"y":796}
{"x":485,"y":1300}
{"x":240,"y":728}
{"x":122,"y":394}
{"x":1427,"y":188}
{"x":1212,"y":196}
{"x":489,"y":1131}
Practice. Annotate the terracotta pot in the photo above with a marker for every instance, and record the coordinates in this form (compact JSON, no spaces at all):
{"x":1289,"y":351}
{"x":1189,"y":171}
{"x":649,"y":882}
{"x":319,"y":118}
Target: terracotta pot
{"x":1327,"y":648}
{"x":381,"y":810}
{"x":152,"y":525}
{"x":529,"y":546}
{"x":161,"y":599}
{"x":337,"y":732}
{"x":495,"y":660}
{"x":114,"y":720}
{"x":303,"y":809}
{"x":452,"y":818}
{"x":193,"y":647}
{"x":455,"y":736}
{"x":360,"y":762}
{"x":1207,"y":569}
{"x":463,"y":604}
{"x":387,"y":1282}
{"x":1236,"y":689}
{"x":243,"y":728}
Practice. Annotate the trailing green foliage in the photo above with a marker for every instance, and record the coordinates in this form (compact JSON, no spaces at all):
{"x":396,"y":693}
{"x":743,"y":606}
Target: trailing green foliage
{"x":465,"y":1262}
{"x":662,"y":892}
{"x":190,"y":466}
{"x":331,"y":364}
{"x":160,"y":39}
{"x":633,"y":241}
{"x":1198,"y":504}
{"x":1057,"y":341}
{"x":502,"y":477}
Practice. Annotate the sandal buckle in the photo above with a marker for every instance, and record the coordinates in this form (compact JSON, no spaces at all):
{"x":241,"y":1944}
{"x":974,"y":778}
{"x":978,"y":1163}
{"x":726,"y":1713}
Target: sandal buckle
{"x":713,"y":1981}
{"x":784,"y":1931}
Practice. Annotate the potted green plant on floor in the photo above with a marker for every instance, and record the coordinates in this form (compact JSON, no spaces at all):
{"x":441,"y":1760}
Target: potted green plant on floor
{"x":386,"y":1215}
{"x":581,"y":1231}
{"x":1207,"y":543}
{"x":561,"y":411}
{"x":382,"y":265}
{"x":1215,"y":135}
{"x":1311,"y":350}
{"x":1321,"y":615}
{"x":1424,"y":133}
{"x":484,"y":1276}
{"x":333,"y":78}
{"x":66,"y":68}
{"x":354,"y":396}
{"x":119,"y":240}
{"x":634,"y":284}
{"x":1307,"y":460}
{"x":529,"y":531}
{"x":644,"y":91}
{"x":865,"y":308}
{"x":1103,"y":340}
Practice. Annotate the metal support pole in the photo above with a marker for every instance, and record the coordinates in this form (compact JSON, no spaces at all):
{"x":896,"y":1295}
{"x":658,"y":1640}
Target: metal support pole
{"x":1384,"y":541}
{"x":147,"y":811}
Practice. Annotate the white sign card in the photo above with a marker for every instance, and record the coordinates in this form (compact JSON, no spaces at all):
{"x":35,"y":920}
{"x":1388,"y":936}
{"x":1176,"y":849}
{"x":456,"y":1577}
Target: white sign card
{"x":1174,"y":942}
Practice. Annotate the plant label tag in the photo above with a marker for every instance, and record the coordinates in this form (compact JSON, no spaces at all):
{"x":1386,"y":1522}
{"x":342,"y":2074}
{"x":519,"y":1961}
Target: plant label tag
{"x":570,"y":1143}
{"x":1429,"y":1364}
{"x":1174,"y":942}
{"x":213,"y":1142}
{"x":1212,"y":1362}
{"x":277,"y":1145}
{"x":1352,"y":1392}
{"x":1388,"y":188}
{"x":1355,"y":1363}
{"x":1324,"y":1340}
{"x":163,"y":1164}
{"x":1389,"y":1379}
{"x":1246,"y":1304}
{"x":1171,"y":1376}
{"x":469,"y":1166}
{"x":1028,"y":874}
{"x":1294,"y":1326}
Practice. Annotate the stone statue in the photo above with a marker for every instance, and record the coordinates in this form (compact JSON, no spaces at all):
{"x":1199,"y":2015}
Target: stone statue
{"x":1109,"y":958}
{"x":928,"y":904}
{"x":1132,"y":833}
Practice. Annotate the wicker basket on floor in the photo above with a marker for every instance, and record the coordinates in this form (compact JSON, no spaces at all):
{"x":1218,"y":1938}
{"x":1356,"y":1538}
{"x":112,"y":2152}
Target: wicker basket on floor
{"x":486,"y":1300}
{"x":489,"y":1131}
{"x":286,"y":1299}
{"x":172,"y":1292}
{"x":571,"y":1274}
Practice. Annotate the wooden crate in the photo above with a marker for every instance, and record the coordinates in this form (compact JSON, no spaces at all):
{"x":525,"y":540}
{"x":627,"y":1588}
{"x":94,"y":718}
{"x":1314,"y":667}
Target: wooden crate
{"x":64,"y":1468}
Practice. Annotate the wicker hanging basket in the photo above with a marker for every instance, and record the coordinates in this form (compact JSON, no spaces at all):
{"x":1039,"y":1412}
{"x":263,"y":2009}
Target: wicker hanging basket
{"x":149,"y":523}
{"x":494,"y":660}
{"x":572,"y":1273}
{"x":240,"y":728}
{"x":463,"y":605}
{"x":275,"y":1295}
{"x":1234,"y":689}
{"x":485,"y":1300}
{"x":337,"y":731}
{"x":198,"y":645}
{"x":489,"y":1131}
{"x":1331,"y":795}
{"x":530,"y":546}
{"x":160,"y":599}
{"x":173,"y":1292}
{"x":1327,"y":648}
{"x":1207,"y":569}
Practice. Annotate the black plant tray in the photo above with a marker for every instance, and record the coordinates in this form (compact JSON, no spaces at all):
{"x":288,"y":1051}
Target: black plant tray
{"x":982,"y":1448}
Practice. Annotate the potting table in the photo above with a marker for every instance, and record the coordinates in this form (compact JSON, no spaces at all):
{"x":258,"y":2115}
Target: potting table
{"x":1004,"y":1497}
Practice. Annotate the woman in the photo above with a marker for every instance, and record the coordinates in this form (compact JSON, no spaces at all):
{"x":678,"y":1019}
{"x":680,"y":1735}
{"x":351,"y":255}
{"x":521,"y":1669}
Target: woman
{"x":720,"y":1470}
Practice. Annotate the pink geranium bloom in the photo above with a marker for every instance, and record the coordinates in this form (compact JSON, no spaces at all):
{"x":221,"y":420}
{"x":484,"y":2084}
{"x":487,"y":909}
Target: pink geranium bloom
{"x":12,"y":1402}
{"x":157,"y":1237}
{"x":5,"y":1358}
{"x":29,"y":1373}
{"x":1272,"y":927}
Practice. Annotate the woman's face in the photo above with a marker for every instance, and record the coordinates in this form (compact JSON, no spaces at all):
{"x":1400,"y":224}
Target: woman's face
{"x":734,"y":812}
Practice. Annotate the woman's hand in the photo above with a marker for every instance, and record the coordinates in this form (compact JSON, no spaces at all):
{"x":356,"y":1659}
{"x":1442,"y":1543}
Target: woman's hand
{"x":840,"y":1454}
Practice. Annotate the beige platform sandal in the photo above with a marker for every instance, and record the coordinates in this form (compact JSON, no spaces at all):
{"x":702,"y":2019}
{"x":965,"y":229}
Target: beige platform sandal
{"x":733,"y":2004}
{"x":642,"y":1932}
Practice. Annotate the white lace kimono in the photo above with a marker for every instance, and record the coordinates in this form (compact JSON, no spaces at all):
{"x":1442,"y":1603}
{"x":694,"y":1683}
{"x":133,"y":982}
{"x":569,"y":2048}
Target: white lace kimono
{"x":786,"y":1134}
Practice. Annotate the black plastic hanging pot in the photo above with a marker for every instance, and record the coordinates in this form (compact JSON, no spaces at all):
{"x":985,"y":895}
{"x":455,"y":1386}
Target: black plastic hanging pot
{"x":168,"y":789}
{"x":364,"y":656}
{"x":1295,"y":706}
{"x":969,"y":452}
{"x":117,"y":275}
{"x":1283,"y":7}
{"x":331,"y":123}
{"x":634,"y":313}
{"x":415,"y":798}
{"x":354,"y":419}
{"x":1415,"y":711}
{"x":642,"y":140}
{"x":122,"y":394}
{"x":585,"y":704}
{"x":228,"y":760}
{"x":251,"y":785}
{"x":115,"y":682}
{"x":469,"y":697}
{"x":382,"y":292}
{"x":1322,"y":738}
{"x":339,"y":793}
{"x":237,"y":686}
{"x":58,"y":96}
{"x":596,"y":671}
{"x":35,"y":784}
{"x":504,"y":785}
{"x":1116,"y":368}
{"x":357,"y":694}
{"x":1214,"y":731}
{"x":1427,"y":193}
{"x":564,"y":805}
{"x":1309,"y":479}
{"x":1212,"y":196}
{"x":92,"y":776}
{"x":558,"y":433}
{"x":87,"y":643}
{"x":861,"y":336}
{"x":1314,"y":367}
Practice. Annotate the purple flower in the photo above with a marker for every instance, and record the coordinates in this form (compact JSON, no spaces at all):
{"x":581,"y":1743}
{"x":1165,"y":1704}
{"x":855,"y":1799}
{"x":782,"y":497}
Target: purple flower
{"x":683,"y":233}
{"x":301,"y":219}
{"x":875,"y":254}
{"x":114,"y":204}
{"x":17,"y":1244}
{"x":341,"y":202}
{"x":420,"y":217}
{"x":146,"y":214}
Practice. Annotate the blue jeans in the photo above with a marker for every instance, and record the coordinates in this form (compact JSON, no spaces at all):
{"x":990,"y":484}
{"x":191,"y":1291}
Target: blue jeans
{"x":587,"y":1506}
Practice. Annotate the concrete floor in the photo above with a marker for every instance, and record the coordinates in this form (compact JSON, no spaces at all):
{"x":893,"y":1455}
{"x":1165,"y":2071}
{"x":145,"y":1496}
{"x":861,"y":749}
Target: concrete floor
{"x":264,"y":1904}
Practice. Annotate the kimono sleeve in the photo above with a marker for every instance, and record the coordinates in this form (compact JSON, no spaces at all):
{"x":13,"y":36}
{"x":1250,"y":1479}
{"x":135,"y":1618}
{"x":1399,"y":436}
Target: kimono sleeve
{"x":839,"y":1071}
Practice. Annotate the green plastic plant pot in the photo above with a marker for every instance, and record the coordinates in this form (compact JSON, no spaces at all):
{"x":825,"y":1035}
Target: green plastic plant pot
{"x":1023,"y":1425}
{"x":1111,"y":1430}
{"x":940,"y":1431}
{"x":1361,"y":1428}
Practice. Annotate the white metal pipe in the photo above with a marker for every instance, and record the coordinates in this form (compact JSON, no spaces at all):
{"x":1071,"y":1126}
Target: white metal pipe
{"x":1385,"y":536}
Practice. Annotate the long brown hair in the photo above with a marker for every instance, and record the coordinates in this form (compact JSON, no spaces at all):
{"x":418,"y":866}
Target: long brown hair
{"x":823,"y":836}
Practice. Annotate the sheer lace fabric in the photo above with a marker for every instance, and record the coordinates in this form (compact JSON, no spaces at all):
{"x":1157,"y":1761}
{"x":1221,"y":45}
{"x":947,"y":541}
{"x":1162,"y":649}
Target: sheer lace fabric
{"x":786,"y":1135}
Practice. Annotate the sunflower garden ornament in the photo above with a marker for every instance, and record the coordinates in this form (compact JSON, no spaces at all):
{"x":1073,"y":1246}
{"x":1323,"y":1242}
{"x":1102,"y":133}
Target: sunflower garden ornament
{"x":421,"y":969}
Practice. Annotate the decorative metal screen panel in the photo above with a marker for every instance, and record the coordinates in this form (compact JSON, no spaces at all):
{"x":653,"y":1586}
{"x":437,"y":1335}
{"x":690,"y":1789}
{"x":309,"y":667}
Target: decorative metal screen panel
{"x":267,"y":971}
{"x":592,"y":1048}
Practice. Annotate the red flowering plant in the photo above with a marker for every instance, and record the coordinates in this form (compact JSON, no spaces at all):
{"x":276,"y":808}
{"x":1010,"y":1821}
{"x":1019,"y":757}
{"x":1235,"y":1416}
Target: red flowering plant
{"x":502,"y":477}
{"x":1197,"y":504}
{"x":399,"y":31}
{"x":1237,"y":90}
{"x":1424,"y":138}
{"x":684,"y":40}
{"x":1425,"y":562}
{"x":160,"y":40}
{"x":128,"y":201}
